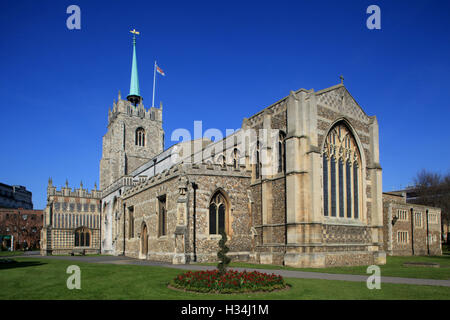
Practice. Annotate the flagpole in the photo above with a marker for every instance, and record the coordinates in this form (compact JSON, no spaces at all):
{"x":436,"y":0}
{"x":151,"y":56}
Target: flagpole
{"x":154,"y":80}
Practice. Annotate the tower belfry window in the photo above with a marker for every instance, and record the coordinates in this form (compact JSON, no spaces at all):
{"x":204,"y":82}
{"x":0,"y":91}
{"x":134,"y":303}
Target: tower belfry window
{"x":140,"y":137}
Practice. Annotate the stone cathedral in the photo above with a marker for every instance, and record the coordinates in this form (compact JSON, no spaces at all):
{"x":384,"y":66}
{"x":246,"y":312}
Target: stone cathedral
{"x":299,"y":184}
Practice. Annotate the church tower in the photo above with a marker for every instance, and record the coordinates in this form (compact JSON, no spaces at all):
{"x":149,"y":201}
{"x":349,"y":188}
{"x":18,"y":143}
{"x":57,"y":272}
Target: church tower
{"x":134,"y":134}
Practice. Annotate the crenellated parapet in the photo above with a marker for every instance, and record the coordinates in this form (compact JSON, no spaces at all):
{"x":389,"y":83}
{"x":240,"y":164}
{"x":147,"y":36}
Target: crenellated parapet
{"x":139,"y":111}
{"x":125,"y":181}
{"x":67,"y":191}
{"x":143,"y":182}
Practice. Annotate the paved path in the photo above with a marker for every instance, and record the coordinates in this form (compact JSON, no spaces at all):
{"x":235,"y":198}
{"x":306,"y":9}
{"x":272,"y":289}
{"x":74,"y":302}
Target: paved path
{"x":285,"y":273}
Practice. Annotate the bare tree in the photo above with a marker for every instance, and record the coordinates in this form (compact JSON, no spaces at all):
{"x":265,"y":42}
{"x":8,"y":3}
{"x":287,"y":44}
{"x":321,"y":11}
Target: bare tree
{"x":433,"y":189}
{"x":427,"y":179}
{"x":19,"y":228}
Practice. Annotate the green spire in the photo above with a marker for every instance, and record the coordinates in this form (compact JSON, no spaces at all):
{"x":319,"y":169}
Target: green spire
{"x":134,"y":96}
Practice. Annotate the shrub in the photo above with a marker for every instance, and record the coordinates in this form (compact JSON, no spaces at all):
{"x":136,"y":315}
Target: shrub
{"x":222,"y":255}
{"x":229,"y":282}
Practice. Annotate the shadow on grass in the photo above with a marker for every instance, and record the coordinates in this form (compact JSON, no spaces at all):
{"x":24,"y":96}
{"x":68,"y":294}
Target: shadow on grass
{"x":22,"y":264}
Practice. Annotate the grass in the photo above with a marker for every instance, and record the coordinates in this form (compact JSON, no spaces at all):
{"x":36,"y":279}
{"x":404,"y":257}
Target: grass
{"x":34,"y":278}
{"x":21,"y":253}
{"x":10,"y":253}
{"x":80,"y":255}
{"x":393,"y":268}
{"x":446,"y":249}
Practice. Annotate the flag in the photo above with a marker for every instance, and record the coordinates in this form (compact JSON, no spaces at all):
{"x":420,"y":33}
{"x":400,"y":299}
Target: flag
{"x":158,"y":69}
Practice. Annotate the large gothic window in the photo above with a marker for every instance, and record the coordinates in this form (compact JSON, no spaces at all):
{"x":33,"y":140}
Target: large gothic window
{"x":217,"y":213}
{"x":140,"y":137}
{"x":82,"y":237}
{"x":341,"y":174}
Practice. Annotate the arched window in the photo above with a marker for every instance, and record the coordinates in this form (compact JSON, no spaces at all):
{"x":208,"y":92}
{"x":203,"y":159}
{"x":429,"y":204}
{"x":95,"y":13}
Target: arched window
{"x":217,"y":213}
{"x":116,"y":212}
{"x":140,"y":137}
{"x":162,"y":228}
{"x":144,"y":239}
{"x":236,"y":158}
{"x":221,"y":160}
{"x":82,"y":237}
{"x":258,"y":162}
{"x":281,"y":152}
{"x":130,"y":222}
{"x":341,"y":174}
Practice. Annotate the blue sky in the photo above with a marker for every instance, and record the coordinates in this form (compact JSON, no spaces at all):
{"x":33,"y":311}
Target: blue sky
{"x":223,"y":61}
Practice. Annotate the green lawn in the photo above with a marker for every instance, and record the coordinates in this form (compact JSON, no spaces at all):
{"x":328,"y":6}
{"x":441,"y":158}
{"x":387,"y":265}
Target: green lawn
{"x":34,"y":278}
{"x":445,"y":249}
{"x":10,"y":253}
{"x":393,"y":268}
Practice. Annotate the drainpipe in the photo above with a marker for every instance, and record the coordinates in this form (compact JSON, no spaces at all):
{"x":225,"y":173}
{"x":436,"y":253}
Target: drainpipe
{"x":100,"y":226}
{"x":124,"y":217}
{"x":285,"y":192}
{"x":195,"y":187}
{"x":285,"y":206}
{"x":262,"y":206}
{"x":412,"y":230}
{"x":428,"y":237}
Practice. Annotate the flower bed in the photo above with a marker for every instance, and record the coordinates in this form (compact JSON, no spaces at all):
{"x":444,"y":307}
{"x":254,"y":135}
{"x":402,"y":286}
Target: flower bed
{"x":231,"y":282}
